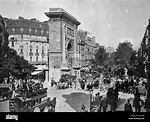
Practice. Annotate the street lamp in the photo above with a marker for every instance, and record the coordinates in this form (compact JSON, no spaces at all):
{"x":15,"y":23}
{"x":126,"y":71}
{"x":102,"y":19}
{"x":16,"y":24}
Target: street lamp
{"x":75,"y":77}
{"x":90,"y":94}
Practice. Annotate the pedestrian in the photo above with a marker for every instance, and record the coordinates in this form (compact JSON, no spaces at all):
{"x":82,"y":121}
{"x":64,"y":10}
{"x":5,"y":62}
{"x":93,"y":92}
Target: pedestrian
{"x":113,"y":105}
{"x":53,"y":104}
{"x":82,"y":85}
{"x":147,"y":105}
{"x":103,"y":104}
{"x":83,"y":108}
{"x":116,"y":93}
{"x":99,"y":98}
{"x":137,"y":103}
{"x":136,"y":93}
{"x":128,"y":106}
{"x":95,"y":101}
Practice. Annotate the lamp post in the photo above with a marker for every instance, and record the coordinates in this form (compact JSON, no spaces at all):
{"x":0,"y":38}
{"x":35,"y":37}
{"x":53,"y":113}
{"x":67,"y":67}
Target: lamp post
{"x":90,"y":94}
{"x":75,"y":77}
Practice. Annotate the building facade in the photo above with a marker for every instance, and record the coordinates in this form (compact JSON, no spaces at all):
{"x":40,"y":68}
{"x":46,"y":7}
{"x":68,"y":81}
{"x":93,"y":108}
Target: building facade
{"x":30,"y":39}
{"x":86,"y":49}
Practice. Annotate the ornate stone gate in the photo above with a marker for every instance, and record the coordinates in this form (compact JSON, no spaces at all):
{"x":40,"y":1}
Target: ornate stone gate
{"x":62,"y":43}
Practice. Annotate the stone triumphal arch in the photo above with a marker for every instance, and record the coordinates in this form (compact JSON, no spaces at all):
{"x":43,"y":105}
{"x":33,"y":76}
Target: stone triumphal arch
{"x":62,"y":43}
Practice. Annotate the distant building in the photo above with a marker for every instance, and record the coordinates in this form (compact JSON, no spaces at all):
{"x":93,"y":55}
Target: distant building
{"x":86,"y":48}
{"x":110,"y":49}
{"x":30,"y":39}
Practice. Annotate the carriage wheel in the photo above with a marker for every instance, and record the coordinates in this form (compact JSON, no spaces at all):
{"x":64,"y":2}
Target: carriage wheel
{"x":36,"y":109}
{"x":46,"y":109}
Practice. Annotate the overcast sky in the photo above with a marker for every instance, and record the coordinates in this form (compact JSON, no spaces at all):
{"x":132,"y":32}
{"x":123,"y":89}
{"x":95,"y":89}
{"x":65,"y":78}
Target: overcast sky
{"x":110,"y":21}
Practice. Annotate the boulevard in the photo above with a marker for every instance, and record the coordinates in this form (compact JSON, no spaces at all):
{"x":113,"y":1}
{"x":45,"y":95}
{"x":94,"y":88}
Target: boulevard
{"x":70,"y":100}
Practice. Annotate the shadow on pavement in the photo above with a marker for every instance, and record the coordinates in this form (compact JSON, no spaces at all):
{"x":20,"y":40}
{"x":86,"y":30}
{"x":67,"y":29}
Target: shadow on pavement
{"x":122,"y":101}
{"x":75,"y":100}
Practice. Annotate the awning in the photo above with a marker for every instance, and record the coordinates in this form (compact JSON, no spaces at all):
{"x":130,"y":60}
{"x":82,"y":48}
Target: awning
{"x":36,"y":72}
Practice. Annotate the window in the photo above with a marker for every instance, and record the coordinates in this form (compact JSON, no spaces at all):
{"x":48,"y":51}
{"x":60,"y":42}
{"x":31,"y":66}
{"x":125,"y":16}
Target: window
{"x":36,"y":59}
{"x":31,"y":46}
{"x":42,"y":58}
{"x":21,"y":50}
{"x":30,"y":59}
{"x":21,"y":36}
{"x":30,"y":50}
{"x":36,"y":50}
{"x":12,"y":44}
{"x":42,"y":51}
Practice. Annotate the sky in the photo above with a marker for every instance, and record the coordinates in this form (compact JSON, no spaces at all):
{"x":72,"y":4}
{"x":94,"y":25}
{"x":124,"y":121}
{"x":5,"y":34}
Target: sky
{"x":110,"y":21}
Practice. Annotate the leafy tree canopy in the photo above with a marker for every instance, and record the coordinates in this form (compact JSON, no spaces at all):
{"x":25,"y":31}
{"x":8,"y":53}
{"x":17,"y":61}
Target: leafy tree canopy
{"x":123,"y":53}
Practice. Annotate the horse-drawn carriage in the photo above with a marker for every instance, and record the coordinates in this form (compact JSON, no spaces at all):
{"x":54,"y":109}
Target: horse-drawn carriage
{"x":31,"y":97}
{"x":37,"y":101}
{"x":65,"y":81}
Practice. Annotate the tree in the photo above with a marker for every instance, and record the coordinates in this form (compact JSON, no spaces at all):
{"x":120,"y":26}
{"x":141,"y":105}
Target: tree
{"x":100,"y":57}
{"x":11,"y":64}
{"x":123,"y":53}
{"x":136,"y":67}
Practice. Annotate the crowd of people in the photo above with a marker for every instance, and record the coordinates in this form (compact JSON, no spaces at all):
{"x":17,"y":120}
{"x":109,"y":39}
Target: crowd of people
{"x":129,"y":85}
{"x":126,"y":85}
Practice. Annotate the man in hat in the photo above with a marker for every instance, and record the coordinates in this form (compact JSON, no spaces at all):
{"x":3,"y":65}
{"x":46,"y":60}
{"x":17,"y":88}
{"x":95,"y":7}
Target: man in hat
{"x":128,"y":106}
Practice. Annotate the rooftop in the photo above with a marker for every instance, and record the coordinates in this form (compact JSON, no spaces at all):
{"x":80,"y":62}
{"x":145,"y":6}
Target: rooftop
{"x":59,"y":12}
